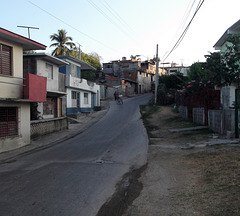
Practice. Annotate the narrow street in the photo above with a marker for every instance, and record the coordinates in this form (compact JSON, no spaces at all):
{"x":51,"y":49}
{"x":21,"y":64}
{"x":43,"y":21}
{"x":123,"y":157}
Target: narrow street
{"x":76,"y":177}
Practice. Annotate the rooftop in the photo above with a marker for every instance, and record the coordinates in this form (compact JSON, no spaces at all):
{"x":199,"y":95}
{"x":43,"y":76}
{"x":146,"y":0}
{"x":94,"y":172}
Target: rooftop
{"x":26,"y":43}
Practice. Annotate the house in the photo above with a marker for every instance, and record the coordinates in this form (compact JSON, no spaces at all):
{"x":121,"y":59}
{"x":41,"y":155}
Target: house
{"x":16,"y":90}
{"x":227,"y":92}
{"x":136,"y":76}
{"x":48,"y":66}
{"x":174,"y":68}
{"x":82,"y":95}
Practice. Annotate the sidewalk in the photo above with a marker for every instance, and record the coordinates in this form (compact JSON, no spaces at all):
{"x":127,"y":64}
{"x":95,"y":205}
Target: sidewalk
{"x":83,"y":123}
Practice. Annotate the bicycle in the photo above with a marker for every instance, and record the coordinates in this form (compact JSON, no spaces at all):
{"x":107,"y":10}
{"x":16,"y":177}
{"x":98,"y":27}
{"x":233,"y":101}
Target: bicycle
{"x":119,"y":100}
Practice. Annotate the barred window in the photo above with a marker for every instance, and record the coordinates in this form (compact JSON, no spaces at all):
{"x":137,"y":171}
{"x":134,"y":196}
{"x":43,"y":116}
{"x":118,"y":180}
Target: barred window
{"x":8,"y":121}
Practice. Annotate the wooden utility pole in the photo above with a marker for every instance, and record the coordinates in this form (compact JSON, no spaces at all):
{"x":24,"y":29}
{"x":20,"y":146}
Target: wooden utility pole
{"x":156,"y":81}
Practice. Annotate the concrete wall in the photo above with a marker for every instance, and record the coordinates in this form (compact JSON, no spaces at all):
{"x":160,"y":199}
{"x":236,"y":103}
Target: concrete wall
{"x":42,"y":127}
{"x":144,"y":80}
{"x":198,"y":115}
{"x":216,"y":120}
{"x":183,"y":111}
{"x":52,"y":84}
{"x":220,"y":121}
{"x":23,"y":138}
{"x":228,"y":96}
{"x":12,"y":87}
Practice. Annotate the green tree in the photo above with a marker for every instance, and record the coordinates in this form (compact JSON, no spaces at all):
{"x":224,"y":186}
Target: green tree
{"x":214,"y":68}
{"x":63,"y":43}
{"x":198,"y":72}
{"x":230,"y":59}
{"x":173,"y":81}
{"x":93,"y":59}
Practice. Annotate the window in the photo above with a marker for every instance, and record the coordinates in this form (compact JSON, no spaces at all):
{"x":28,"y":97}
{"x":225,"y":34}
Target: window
{"x":74,"y":99}
{"x":49,"y":70}
{"x":8,"y":121}
{"x":5,"y":60}
{"x":85,"y":98}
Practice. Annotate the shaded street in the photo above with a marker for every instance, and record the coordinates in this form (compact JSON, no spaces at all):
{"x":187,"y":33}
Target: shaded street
{"x":77,"y":176}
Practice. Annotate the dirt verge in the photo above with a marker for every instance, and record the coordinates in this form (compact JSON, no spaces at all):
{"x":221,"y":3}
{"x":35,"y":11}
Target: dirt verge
{"x":179,"y":179}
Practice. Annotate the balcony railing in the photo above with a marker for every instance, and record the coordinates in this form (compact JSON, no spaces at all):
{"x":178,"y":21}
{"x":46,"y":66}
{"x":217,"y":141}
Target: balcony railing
{"x":35,"y":88}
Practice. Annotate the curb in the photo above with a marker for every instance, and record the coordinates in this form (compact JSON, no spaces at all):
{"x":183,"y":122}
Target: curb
{"x":52,"y":139}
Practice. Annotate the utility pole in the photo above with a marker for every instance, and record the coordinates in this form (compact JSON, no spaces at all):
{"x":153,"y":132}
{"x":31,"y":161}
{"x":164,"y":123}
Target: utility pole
{"x":156,"y":81}
{"x":28,"y":27}
{"x":79,"y":51}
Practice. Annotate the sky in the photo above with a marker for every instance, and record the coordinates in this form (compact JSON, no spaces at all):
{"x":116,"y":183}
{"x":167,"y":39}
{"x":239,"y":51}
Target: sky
{"x":116,"y":29}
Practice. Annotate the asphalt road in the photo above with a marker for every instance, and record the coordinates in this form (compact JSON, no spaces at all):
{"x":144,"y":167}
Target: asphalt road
{"x":77,"y":176}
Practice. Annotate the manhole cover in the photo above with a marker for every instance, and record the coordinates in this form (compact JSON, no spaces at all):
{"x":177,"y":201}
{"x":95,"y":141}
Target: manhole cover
{"x":100,"y":161}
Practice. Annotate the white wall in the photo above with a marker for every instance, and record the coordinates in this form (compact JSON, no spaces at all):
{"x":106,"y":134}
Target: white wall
{"x":52,"y":84}
{"x":12,"y":86}
{"x":23,"y":137}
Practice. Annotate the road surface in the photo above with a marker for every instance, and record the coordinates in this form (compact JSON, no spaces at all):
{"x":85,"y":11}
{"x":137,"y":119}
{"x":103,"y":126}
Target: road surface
{"x":77,"y":176}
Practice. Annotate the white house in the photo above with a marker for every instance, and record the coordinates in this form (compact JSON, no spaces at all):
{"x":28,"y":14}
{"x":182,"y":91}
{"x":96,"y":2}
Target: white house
{"x":48,"y":66}
{"x":15,"y":92}
{"x":227,"y":92}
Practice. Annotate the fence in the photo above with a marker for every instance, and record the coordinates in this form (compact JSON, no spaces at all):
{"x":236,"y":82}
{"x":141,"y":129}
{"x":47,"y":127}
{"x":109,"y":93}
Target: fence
{"x":183,"y":110}
{"x":45,"y":126}
{"x":220,"y":121}
{"x":198,"y":115}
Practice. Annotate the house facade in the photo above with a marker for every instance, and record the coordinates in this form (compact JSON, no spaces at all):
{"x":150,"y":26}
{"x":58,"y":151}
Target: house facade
{"x":174,"y":68}
{"x":82,"y":95}
{"x":137,"y":77}
{"x":227,"y":92}
{"x":16,"y":91}
{"x":48,"y":66}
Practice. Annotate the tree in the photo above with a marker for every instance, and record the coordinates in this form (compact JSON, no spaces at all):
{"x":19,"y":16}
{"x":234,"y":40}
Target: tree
{"x":214,"y":68}
{"x":63,"y":43}
{"x":198,"y":71}
{"x":93,"y":59}
{"x":230,"y":59}
{"x":133,"y":57}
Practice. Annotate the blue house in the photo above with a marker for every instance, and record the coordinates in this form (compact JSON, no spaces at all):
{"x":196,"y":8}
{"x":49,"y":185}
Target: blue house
{"x":82,"y":95}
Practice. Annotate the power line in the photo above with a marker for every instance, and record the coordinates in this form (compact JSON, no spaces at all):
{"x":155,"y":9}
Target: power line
{"x":185,"y":31}
{"x":116,"y":15}
{"x":187,"y":13}
{"x":71,"y":26}
{"x":107,"y":17}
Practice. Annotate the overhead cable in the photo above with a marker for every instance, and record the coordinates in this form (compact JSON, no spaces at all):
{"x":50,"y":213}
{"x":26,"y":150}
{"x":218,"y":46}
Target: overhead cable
{"x":88,"y":36}
{"x":184,"y":32}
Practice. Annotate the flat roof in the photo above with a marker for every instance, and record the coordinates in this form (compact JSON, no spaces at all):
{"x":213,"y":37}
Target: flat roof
{"x":26,"y":43}
{"x":84,"y":65}
{"x":48,"y":58}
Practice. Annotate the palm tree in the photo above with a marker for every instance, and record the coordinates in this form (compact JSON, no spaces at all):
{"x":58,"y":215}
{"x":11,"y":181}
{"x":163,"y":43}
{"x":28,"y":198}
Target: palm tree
{"x":63,"y":43}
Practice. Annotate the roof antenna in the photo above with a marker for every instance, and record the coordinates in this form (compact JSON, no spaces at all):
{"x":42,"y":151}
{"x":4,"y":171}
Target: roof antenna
{"x":28,"y":27}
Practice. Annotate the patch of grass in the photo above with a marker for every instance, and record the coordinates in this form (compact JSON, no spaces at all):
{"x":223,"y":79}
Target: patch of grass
{"x":217,"y":191}
{"x":146,"y":111}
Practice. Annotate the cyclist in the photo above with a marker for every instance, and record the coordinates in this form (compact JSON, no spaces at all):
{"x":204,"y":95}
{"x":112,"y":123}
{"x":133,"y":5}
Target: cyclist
{"x":120,"y":98}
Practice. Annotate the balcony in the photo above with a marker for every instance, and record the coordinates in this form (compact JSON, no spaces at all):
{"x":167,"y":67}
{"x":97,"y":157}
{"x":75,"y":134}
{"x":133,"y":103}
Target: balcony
{"x":35,"y":88}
